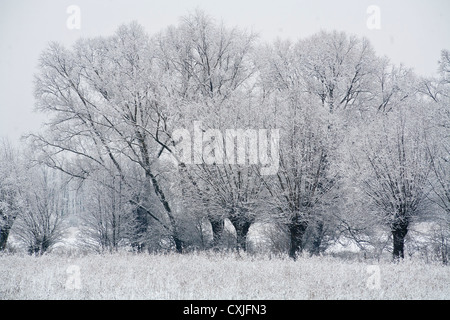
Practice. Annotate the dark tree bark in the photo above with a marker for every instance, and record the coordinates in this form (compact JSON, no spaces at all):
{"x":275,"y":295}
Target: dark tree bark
{"x":317,"y":238}
{"x":444,"y":249}
{"x":297,"y":228}
{"x":399,"y":231}
{"x":140,"y":229}
{"x":4,"y":233}
{"x":242,"y":224}
{"x":40,"y":246}
{"x":241,"y":235}
{"x":218,"y":226}
{"x":161,"y":196}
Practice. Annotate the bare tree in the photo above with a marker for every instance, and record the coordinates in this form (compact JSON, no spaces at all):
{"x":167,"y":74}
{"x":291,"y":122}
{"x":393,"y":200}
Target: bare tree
{"x":12,"y":201}
{"x":439,"y":151}
{"x":399,"y":167}
{"x":213,"y":70}
{"x":107,"y":220}
{"x":107,"y":109}
{"x":313,"y":89}
{"x":40,"y":226}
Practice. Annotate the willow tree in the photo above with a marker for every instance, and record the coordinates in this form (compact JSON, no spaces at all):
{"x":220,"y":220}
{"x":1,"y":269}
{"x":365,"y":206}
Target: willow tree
{"x":106,"y":110}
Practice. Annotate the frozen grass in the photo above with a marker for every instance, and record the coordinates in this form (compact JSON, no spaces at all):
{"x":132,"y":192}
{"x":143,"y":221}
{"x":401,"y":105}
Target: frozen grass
{"x":213,"y":276}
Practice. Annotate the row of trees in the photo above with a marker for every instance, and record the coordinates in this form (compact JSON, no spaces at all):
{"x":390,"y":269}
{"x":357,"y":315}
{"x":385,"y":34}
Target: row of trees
{"x":362,"y":149}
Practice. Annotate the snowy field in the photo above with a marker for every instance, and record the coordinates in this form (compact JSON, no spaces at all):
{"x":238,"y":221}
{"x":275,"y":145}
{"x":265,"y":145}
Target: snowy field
{"x":214,"y":276}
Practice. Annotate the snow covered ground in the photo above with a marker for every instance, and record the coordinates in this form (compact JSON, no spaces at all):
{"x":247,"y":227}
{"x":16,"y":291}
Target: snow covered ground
{"x":216,"y":276}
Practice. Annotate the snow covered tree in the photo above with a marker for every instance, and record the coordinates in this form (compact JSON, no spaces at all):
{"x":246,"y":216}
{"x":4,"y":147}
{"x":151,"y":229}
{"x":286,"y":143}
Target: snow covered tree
{"x":338,"y":69}
{"x":351,"y":130}
{"x":40,"y":225}
{"x":313,"y":89}
{"x":394,"y":164}
{"x":12,"y":200}
{"x":439,"y":148}
{"x":438,"y":93}
{"x":208,"y":75}
{"x":106,"y":108}
{"x":107,"y":220}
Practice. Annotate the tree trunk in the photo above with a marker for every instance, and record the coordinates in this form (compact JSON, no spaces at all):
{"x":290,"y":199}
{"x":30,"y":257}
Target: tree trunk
{"x":218,"y":226}
{"x":140,"y":229}
{"x":444,"y":249}
{"x":5,"y":229}
{"x":318,"y":236}
{"x":4,"y":233}
{"x":159,"y":192}
{"x":241,"y":235}
{"x":174,"y":230}
{"x":241,"y":225}
{"x":178,"y":244}
{"x":45,"y":245}
{"x":296,"y":229}
{"x":399,"y":231}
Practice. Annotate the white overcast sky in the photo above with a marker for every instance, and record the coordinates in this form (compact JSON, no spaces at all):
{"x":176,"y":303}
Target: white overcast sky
{"x":412,"y":32}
